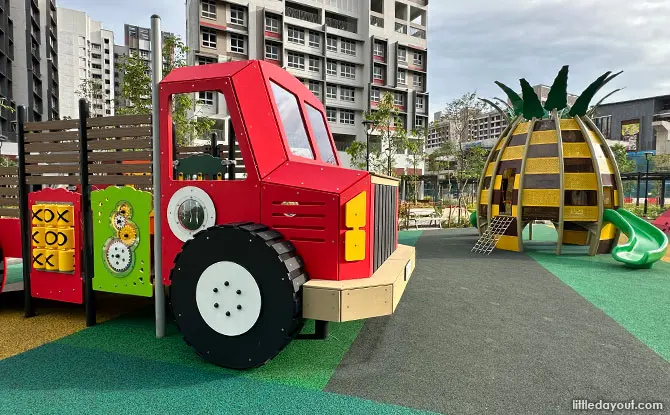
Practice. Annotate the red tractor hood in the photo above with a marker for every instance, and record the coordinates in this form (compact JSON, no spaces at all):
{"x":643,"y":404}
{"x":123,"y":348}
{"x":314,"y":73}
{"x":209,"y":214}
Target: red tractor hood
{"x":321,"y":177}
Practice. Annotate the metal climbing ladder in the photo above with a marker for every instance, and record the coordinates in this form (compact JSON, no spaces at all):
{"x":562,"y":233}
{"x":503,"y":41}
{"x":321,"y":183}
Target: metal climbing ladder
{"x":487,"y":242}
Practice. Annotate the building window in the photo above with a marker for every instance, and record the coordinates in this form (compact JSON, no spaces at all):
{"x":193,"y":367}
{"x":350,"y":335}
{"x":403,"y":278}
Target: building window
{"x":402,"y":55}
{"x":418,"y":59}
{"x":347,"y":94}
{"x":331,"y":68}
{"x":331,"y":44}
{"x":402,"y":77}
{"x":205,"y":60}
{"x":331,"y":115}
{"x":348,"y":47}
{"x":314,"y":64}
{"x":418,"y":81}
{"x":237,"y":43}
{"x":379,"y":49}
{"x":348,"y":70}
{"x":347,"y":117}
{"x":420,"y":122}
{"x":378,"y":73}
{"x":296,"y":61}
{"x":208,"y":38}
{"x":398,"y":99}
{"x":331,"y":91}
{"x":294,"y":127}
{"x":315,"y":87}
{"x":296,"y":35}
{"x":420,"y":103}
{"x":271,"y":24}
{"x":314,"y":39}
{"x":375,"y":95}
{"x":237,"y":15}
{"x":206,"y":98}
{"x":208,"y":9}
{"x":272,"y":52}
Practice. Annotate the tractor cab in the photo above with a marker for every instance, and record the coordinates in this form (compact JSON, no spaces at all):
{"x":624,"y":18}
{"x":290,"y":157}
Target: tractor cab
{"x":268,"y":228}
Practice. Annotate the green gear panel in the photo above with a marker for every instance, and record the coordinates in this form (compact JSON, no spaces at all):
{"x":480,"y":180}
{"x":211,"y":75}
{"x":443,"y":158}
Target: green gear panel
{"x":204,"y":165}
{"x":135,"y":279}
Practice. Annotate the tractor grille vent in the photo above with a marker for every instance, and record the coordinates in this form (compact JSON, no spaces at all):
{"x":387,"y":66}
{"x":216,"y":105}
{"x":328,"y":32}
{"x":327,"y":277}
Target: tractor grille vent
{"x":386,"y":228}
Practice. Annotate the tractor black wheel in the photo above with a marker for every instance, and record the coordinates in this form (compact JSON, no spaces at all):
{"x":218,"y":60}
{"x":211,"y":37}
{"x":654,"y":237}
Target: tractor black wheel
{"x":236,"y":294}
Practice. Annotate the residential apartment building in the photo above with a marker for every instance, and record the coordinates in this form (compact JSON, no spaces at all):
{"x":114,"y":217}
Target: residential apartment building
{"x":347,"y":52}
{"x":86,"y":64}
{"x":7,"y":128}
{"x":34,"y":72}
{"x":137,"y":40}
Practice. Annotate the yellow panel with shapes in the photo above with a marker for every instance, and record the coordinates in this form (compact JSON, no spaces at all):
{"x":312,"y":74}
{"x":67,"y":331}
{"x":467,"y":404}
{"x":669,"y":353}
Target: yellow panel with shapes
{"x":355,"y":211}
{"x":580,"y":213}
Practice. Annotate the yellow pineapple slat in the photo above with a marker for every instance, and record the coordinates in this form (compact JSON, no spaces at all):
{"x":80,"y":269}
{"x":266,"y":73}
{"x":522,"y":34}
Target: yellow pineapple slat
{"x":543,"y":165}
{"x":576,"y":150}
{"x":569,"y":125}
{"x":581,"y":213}
{"x":543,"y":137}
{"x":522,"y":128}
{"x":541,"y":197}
{"x":580,"y":181}
{"x":512,"y":153}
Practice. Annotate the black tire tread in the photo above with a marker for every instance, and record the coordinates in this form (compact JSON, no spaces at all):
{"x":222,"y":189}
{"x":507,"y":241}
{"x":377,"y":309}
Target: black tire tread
{"x":286,"y":253}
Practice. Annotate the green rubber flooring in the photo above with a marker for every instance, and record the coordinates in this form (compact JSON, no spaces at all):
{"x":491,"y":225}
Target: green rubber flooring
{"x":638,"y":299}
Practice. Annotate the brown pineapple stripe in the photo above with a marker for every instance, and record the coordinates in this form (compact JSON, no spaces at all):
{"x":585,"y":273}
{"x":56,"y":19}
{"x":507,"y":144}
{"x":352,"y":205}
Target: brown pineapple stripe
{"x":542,"y":181}
{"x":572,"y":136}
{"x":573,"y":226}
{"x":512,"y":229}
{"x":509,"y":164}
{"x":487,"y":183}
{"x":578,"y":165}
{"x":540,"y":212}
{"x":591,"y":197}
{"x":517,"y":140}
{"x":542,"y":150}
{"x":606,"y":246}
{"x":498,"y":196}
{"x":544,"y":125}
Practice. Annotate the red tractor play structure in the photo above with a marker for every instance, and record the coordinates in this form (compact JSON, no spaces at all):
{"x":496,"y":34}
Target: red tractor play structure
{"x":246,"y":260}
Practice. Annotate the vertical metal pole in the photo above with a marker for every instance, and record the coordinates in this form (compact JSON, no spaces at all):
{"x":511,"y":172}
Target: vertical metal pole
{"x":212,"y":144}
{"x":646,"y":186}
{"x":25,"y":216}
{"x":662,"y":198}
{"x":637,"y":199}
{"x":157,"y":75}
{"x":367,"y":151}
{"x":231,"y":150}
{"x":87,"y":215}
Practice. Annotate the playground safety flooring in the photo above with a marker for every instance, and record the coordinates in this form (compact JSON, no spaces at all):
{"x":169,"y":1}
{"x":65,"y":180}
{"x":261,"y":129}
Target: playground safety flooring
{"x":506,"y":333}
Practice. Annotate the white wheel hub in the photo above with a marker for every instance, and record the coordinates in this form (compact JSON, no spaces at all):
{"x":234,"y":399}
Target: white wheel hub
{"x":228,"y":298}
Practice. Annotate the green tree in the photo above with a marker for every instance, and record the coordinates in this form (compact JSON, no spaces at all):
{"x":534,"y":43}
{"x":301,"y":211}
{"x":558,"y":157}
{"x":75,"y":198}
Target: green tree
{"x":661,"y":163}
{"x":136,"y":91}
{"x":357,"y":151}
{"x":91,"y":90}
{"x":416,"y":154}
{"x":389,"y":126}
{"x":625,"y":164}
{"x":460,"y":114}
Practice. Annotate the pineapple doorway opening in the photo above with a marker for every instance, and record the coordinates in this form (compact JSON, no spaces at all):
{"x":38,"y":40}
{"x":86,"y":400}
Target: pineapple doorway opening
{"x":509,"y":175}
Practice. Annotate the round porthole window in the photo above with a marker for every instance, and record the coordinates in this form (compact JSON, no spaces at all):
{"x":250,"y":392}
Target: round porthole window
{"x":190,"y":210}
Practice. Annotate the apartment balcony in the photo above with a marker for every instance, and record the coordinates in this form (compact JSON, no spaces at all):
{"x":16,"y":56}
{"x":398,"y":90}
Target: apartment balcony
{"x":376,"y":20}
{"x":417,"y":32}
{"x":346,"y":24}
{"x":301,"y":14}
{"x":401,"y":27}
{"x":662,"y":116}
{"x":422,"y":3}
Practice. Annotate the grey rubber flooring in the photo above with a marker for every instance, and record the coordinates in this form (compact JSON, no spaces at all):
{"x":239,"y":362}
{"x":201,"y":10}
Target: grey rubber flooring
{"x":495,"y":335}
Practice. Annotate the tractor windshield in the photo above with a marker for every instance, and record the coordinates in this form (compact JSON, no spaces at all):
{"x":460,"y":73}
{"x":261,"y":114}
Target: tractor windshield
{"x":298,"y":128}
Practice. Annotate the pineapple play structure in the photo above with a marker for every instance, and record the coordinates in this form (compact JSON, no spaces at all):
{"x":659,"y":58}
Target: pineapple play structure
{"x":552,"y":163}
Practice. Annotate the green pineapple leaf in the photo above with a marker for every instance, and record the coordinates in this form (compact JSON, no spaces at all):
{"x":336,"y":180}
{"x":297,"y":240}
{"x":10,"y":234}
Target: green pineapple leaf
{"x":504,"y":114}
{"x":532,"y":107}
{"x":582,"y":103}
{"x":517,"y":101}
{"x":558,"y":94}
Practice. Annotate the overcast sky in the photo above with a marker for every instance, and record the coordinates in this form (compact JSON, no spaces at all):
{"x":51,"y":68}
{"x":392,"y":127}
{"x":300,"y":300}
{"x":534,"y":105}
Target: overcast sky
{"x":473,"y":43}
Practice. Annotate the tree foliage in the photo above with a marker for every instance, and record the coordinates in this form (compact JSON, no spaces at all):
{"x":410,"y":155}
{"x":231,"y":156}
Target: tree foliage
{"x":388,"y":127}
{"x":136,"y":91}
{"x":415,"y":144}
{"x":625,"y":164}
{"x":661,"y":163}
{"x":357,"y":151}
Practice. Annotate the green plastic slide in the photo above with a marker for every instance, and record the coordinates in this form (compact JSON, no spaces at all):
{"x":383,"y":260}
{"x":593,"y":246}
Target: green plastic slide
{"x":646,"y":243}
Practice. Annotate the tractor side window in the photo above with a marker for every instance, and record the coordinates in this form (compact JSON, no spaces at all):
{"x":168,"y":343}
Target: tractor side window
{"x":321,"y":135}
{"x":206,"y":144}
{"x":294,"y":127}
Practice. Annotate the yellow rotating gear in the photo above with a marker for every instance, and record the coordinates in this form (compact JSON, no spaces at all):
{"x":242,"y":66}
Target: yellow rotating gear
{"x":128,"y":234}
{"x":125,"y":210}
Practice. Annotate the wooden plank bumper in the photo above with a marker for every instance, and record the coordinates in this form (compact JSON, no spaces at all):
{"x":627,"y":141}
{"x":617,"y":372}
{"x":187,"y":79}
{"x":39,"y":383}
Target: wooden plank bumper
{"x":349,"y":300}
